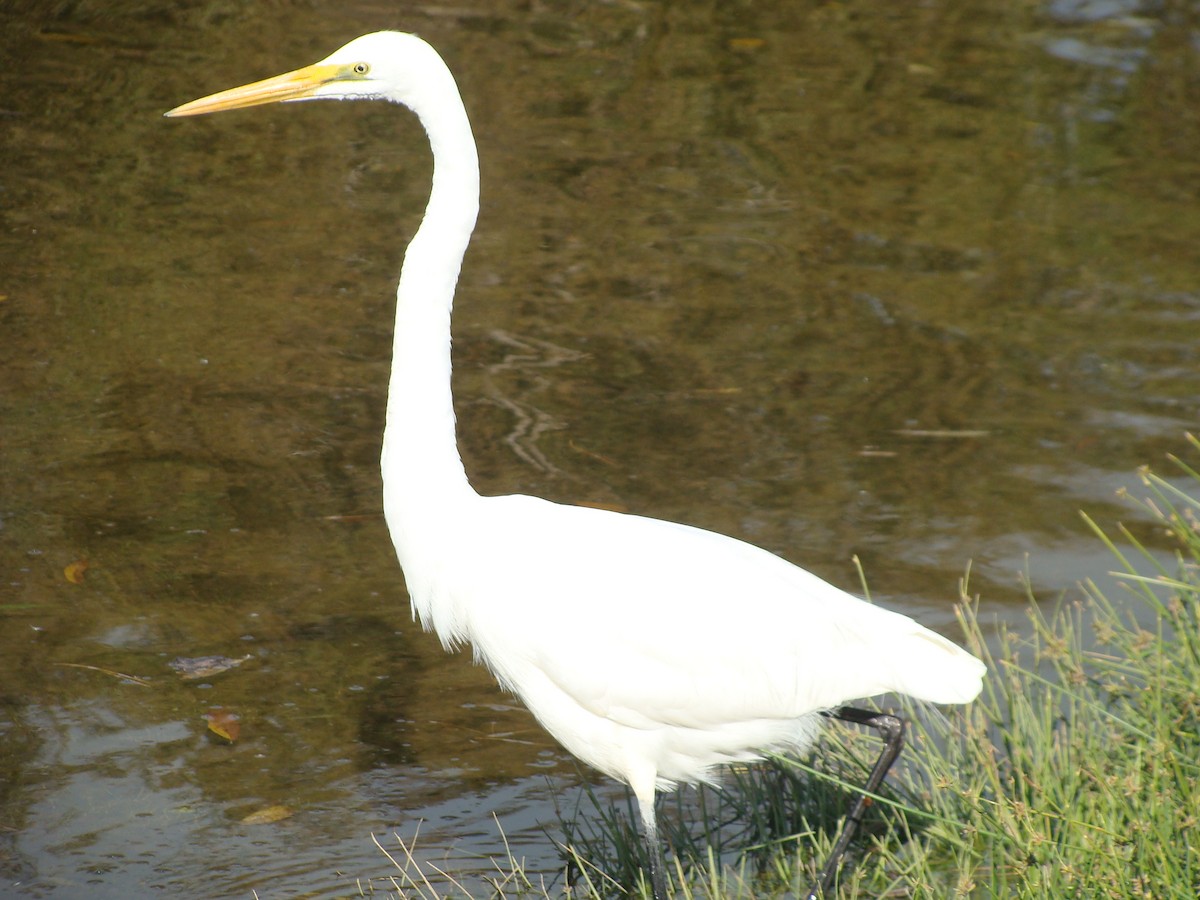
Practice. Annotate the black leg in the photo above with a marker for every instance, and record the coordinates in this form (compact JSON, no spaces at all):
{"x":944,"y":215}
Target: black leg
{"x":891,"y":729}
{"x":654,"y":852}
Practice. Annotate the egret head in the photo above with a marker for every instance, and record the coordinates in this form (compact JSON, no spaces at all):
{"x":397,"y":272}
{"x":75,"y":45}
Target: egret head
{"x":385,"y":65}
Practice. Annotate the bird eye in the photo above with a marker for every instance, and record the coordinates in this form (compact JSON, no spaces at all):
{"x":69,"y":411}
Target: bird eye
{"x":361,"y":68}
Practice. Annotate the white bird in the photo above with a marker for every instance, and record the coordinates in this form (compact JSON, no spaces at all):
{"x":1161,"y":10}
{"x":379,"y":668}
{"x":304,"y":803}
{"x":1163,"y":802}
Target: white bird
{"x":652,"y":651}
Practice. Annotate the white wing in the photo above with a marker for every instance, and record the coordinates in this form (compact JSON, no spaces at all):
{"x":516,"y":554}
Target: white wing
{"x":649,"y":623}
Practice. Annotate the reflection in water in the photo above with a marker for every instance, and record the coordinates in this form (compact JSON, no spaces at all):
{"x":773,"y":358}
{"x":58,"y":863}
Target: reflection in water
{"x":523,"y":359}
{"x":914,"y":286}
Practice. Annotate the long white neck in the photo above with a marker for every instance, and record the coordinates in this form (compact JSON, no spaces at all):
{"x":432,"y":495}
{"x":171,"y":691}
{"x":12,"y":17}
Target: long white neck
{"x":424,"y":483}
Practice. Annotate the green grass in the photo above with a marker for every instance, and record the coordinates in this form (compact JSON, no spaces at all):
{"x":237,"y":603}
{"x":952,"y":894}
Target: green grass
{"x":1075,"y":774}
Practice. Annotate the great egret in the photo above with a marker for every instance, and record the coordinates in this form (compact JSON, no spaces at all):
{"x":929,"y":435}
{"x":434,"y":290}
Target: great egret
{"x":652,"y":651}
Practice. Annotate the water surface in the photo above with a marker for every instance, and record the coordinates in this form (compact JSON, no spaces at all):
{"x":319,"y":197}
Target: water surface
{"x":909,"y":282}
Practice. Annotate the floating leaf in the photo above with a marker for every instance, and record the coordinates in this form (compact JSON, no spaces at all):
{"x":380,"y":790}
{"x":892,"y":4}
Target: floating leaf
{"x":224,"y":724}
{"x":74,"y":572}
{"x":267,"y":815}
{"x":204,"y":666}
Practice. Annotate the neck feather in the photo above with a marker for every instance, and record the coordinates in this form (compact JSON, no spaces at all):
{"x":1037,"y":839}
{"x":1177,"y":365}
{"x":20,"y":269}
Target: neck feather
{"x":423,"y":477}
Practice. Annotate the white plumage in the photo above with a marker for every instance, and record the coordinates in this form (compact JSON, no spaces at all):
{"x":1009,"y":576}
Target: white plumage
{"x":652,"y":651}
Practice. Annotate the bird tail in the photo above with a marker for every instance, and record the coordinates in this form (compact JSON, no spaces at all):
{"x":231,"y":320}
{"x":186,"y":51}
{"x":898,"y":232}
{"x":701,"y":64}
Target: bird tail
{"x":935,"y":669}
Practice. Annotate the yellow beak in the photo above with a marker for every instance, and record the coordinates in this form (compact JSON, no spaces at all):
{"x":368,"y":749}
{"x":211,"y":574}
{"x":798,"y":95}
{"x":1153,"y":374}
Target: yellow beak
{"x":295,"y":85}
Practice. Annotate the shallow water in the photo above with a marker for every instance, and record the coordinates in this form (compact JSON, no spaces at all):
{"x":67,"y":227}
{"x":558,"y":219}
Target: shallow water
{"x":914,"y":283}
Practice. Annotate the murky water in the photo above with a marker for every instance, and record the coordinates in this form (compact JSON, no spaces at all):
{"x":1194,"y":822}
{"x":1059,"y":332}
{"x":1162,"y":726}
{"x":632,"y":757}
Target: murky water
{"x":914,"y":282}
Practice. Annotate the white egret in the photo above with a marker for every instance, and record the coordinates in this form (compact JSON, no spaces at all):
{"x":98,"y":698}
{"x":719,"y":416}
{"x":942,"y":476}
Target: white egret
{"x":652,"y":651}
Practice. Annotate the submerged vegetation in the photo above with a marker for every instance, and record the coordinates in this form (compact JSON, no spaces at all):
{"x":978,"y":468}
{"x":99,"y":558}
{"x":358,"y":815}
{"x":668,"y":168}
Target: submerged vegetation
{"x":1075,"y":774}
